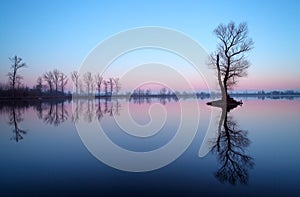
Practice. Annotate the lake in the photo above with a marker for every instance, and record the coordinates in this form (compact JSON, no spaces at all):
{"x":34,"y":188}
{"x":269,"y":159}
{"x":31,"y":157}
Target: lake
{"x":53,"y":148}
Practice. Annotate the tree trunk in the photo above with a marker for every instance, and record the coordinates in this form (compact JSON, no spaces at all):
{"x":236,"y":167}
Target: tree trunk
{"x":99,"y":89}
{"x":111,"y":86}
{"x":225,"y":89}
{"x":76,"y":86}
{"x":14,"y":81}
{"x":222,"y":86}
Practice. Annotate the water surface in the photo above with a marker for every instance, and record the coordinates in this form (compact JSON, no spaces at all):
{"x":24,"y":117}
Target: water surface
{"x":256,"y":152}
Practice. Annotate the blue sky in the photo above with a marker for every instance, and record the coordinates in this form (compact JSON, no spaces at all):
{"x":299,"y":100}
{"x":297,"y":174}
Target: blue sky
{"x":60,"y":34}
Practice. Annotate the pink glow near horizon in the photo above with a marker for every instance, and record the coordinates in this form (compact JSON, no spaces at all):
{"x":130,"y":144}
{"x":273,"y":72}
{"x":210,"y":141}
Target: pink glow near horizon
{"x":270,"y":83}
{"x":254,"y":82}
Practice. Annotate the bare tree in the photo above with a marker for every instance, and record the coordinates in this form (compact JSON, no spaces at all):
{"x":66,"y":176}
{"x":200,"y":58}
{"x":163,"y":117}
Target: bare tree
{"x":13,"y":77}
{"x":163,"y":91}
{"x":111,"y":85}
{"x":98,"y":80}
{"x":48,"y":77}
{"x":81,"y":88}
{"x":148,"y":92}
{"x":56,"y":76}
{"x":117,"y":85}
{"x":229,"y":58}
{"x":75,"y":79}
{"x":88,"y":80}
{"x":63,"y":81}
{"x":105,"y":87}
{"x":39,"y":85}
{"x":92,"y":86}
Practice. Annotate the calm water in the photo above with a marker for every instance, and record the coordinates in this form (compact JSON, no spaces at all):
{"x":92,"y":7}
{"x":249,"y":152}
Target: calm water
{"x":256,"y":151}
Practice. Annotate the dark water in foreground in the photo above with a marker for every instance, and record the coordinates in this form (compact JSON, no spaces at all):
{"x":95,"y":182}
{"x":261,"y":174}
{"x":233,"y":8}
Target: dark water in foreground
{"x":256,"y":151}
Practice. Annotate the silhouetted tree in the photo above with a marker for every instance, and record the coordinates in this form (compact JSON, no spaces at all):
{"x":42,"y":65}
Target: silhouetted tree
{"x":88,"y":79}
{"x":92,"y":86}
{"x":148,"y":92}
{"x":39,"y":85}
{"x":163,"y":91}
{"x":56,"y":75}
{"x":98,"y":80}
{"x":105,"y":87}
{"x":111,"y":82}
{"x":13,"y":76}
{"x":117,"y":85}
{"x":81,"y":87}
{"x":63,"y":81}
{"x":229,"y":58}
{"x":48,"y":77}
{"x":75,"y":79}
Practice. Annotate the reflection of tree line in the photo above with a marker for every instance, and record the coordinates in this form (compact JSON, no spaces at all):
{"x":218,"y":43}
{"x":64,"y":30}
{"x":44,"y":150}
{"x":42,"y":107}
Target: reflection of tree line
{"x":149,"y":99}
{"x":88,"y":109}
{"x":54,"y":112}
{"x":229,"y":146}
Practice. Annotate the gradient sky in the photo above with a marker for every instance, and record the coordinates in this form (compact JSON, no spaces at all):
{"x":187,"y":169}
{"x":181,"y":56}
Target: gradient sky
{"x":60,"y":34}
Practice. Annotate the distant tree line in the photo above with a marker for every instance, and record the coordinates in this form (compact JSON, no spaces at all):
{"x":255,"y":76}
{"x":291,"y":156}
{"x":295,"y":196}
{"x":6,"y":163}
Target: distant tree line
{"x":53,"y":84}
{"x":94,"y":85}
{"x":269,"y":93}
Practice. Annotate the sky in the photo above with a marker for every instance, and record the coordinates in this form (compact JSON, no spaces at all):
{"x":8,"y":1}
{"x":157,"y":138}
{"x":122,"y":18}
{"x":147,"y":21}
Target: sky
{"x":60,"y":34}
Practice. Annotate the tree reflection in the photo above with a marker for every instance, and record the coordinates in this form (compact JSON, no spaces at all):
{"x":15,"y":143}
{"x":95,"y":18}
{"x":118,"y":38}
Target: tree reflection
{"x":88,"y":109}
{"x":15,"y":117}
{"x":89,"y":113}
{"x":94,"y":108}
{"x":76,"y":110}
{"x":56,"y":113}
{"x":149,"y":99}
{"x":230,"y":146}
{"x":117,"y":108}
{"x":99,"y":112}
